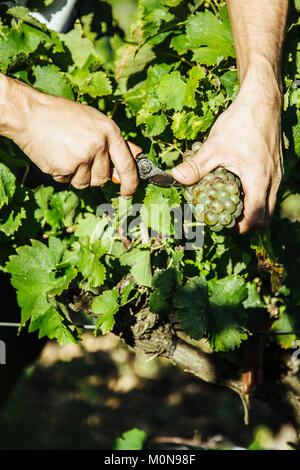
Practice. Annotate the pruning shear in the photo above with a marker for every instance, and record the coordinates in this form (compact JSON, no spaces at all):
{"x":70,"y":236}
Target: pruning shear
{"x":148,"y":171}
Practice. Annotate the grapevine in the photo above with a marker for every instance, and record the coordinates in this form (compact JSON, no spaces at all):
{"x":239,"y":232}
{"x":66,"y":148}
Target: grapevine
{"x":165,"y":86}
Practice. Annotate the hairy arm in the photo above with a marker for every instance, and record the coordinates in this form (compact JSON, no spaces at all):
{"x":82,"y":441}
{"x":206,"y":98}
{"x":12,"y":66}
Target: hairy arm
{"x":70,"y":141}
{"x":246,"y":138}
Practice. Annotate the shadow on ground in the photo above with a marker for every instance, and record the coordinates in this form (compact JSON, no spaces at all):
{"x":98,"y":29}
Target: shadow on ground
{"x":85,"y":396}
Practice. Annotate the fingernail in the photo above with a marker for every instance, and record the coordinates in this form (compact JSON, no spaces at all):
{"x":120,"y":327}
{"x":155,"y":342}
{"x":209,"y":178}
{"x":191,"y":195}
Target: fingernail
{"x":182,"y":171}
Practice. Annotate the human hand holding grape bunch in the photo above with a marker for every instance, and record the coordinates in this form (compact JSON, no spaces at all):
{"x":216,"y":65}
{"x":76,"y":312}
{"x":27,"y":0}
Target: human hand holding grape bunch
{"x":245,"y":140}
{"x":217,"y":200}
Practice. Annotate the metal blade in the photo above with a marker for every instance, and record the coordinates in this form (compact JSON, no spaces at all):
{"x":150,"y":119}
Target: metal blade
{"x":164,"y":180}
{"x":150,"y":173}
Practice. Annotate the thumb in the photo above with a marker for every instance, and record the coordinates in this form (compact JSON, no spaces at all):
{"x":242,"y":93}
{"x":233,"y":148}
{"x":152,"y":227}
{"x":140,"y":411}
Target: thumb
{"x":191,"y":171}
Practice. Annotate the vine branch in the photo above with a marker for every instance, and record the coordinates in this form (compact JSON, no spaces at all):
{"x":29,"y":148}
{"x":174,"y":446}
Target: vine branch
{"x":154,"y":335}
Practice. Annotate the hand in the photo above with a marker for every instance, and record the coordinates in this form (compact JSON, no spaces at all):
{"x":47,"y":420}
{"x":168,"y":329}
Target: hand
{"x":70,"y":141}
{"x":246,"y":140}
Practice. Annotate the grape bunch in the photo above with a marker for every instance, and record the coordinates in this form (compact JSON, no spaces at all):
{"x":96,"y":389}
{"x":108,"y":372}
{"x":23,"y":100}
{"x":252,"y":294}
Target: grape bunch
{"x":217,"y":199}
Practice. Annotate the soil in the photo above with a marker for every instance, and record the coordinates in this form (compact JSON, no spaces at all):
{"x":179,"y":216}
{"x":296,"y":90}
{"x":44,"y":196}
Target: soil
{"x":83,"y":397}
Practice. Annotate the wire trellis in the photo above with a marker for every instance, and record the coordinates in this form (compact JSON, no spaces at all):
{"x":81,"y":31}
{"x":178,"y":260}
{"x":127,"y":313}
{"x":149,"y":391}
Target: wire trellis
{"x":91,"y":327}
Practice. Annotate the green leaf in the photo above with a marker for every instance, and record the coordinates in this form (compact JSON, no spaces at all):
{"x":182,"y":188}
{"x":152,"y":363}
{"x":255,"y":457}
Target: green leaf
{"x":51,"y":324}
{"x":91,"y":226}
{"x":195,"y":75}
{"x":131,"y":440}
{"x":286,"y":322}
{"x":140,"y":262}
{"x":134,"y":59}
{"x":126,"y":292}
{"x":164,"y":283}
{"x":107,"y":306}
{"x":23,"y":13}
{"x":7,"y":185}
{"x":157,"y":208}
{"x":155,"y":73}
{"x":155,"y":123}
{"x":13,"y":222}
{"x":179,"y":44}
{"x":88,"y":80}
{"x":187,"y":125}
{"x":171,"y":91}
{"x":49,"y":79}
{"x":230,"y":82}
{"x":79,"y":46}
{"x":296,"y":134}
{"x":210,"y":39}
{"x":228,"y":318}
{"x":86,"y":257}
{"x":58,"y":210}
{"x":191,"y":300}
{"x":19,"y":43}
{"x":253,"y":300}
{"x":38,"y":276}
{"x":153,"y":15}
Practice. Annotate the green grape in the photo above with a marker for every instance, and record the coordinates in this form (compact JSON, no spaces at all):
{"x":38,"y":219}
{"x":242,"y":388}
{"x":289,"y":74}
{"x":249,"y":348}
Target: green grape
{"x":225,"y":218}
{"x":187,"y":155}
{"x":220,"y":185}
{"x":212,"y":193}
{"x":188,"y":195}
{"x":208,"y":178}
{"x":232,"y":187}
{"x":238,"y":181}
{"x":217,"y":228}
{"x":238,"y":210}
{"x":200,"y":196}
{"x":221,"y":173}
{"x":223,"y":194}
{"x":198,"y":186}
{"x":210,"y":218}
{"x":216,"y":206}
{"x":235,"y":198}
{"x":232,"y":223}
{"x":199,"y":212}
{"x":229,"y":205}
{"x":196,"y":146}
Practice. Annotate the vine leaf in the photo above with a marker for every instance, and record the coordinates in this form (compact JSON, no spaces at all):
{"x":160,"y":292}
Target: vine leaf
{"x":164,"y":283}
{"x":49,"y":79}
{"x":131,"y":440}
{"x":156,"y":211}
{"x":23,"y":13}
{"x":286,"y":322}
{"x":210,"y":39}
{"x":86,"y":257}
{"x":140,"y":262}
{"x":79,"y":46}
{"x":107,"y":306}
{"x":7,"y":185}
{"x":39,"y":275}
{"x":191,"y":300}
{"x":171,"y":91}
{"x":228,"y":318}
{"x":215,"y":308}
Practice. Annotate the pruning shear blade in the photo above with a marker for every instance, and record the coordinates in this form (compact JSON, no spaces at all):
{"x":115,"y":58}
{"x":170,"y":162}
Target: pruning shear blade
{"x":149,"y":172}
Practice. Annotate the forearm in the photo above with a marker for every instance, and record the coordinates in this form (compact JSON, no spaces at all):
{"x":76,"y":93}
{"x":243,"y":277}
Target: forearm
{"x":14,"y":106}
{"x":258,"y":29}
